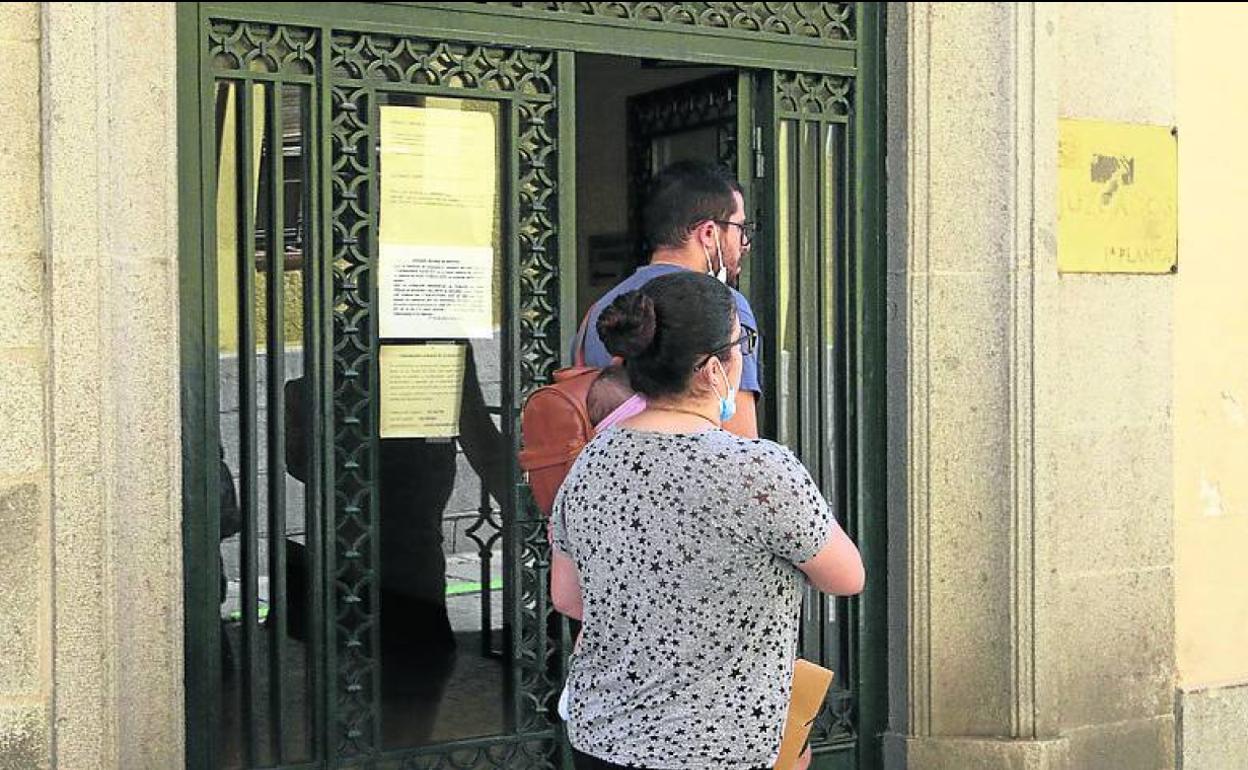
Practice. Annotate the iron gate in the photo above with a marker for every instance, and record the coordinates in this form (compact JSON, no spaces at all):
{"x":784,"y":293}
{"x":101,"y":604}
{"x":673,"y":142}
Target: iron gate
{"x":281,"y":130}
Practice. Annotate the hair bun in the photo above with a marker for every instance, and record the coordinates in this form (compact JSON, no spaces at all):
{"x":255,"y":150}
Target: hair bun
{"x":627,"y":325}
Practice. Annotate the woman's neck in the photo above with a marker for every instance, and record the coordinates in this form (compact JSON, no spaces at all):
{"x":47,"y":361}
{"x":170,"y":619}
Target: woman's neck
{"x":678,"y":415}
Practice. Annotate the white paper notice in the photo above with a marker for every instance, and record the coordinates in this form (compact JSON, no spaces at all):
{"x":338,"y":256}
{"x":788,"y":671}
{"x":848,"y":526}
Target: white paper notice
{"x":436,"y":291}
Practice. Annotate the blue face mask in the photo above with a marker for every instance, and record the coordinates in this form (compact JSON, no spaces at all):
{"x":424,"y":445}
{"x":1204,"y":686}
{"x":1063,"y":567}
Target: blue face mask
{"x":727,"y":405}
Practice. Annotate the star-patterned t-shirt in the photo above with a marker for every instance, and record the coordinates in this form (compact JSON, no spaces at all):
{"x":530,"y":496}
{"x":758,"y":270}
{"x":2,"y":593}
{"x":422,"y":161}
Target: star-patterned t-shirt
{"x":686,"y":546}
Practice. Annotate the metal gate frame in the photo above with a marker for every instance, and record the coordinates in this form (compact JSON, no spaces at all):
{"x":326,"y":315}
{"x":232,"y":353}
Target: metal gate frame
{"x":842,"y":41}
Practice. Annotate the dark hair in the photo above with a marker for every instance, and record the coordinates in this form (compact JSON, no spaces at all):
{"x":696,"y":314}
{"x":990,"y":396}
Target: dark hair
{"x":682,"y":195}
{"x":609,"y":390}
{"x":664,"y":328}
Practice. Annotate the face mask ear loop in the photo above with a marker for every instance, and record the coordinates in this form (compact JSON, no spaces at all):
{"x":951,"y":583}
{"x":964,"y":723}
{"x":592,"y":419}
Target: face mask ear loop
{"x":728,"y":408}
{"x":727,"y":404}
{"x":721,"y":274}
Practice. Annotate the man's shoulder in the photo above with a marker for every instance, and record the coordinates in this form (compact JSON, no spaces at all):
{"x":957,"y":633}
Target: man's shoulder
{"x":646,"y":273}
{"x":595,"y":351}
{"x":638,"y":278}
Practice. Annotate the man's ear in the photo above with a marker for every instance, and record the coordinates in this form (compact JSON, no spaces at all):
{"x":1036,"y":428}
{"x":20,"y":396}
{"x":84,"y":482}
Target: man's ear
{"x":706,"y":229}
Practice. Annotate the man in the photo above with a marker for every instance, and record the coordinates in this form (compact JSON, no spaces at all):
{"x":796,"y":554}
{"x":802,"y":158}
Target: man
{"x":695,"y":220}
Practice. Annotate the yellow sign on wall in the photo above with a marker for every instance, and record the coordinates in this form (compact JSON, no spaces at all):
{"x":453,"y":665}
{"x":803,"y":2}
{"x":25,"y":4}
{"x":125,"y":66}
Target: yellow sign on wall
{"x":1118,"y":186}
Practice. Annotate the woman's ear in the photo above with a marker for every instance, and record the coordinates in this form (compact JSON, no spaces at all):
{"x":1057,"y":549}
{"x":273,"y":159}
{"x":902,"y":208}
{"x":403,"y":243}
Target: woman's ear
{"x":708,"y":375}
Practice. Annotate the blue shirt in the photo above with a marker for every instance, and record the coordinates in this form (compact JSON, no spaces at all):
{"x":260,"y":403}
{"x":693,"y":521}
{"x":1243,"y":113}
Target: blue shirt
{"x":596,"y":353}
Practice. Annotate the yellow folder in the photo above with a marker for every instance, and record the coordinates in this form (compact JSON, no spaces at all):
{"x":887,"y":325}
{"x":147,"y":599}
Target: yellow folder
{"x":810,"y":686}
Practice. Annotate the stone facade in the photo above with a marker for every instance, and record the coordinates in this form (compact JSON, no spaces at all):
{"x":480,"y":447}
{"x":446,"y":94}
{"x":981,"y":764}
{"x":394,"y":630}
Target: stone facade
{"x":1033,"y":490}
{"x":1031,"y":412}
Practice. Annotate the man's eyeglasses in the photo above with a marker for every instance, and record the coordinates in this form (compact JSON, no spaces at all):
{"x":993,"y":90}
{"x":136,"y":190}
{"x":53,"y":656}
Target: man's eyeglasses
{"x":749,"y":230}
{"x":748,"y":342}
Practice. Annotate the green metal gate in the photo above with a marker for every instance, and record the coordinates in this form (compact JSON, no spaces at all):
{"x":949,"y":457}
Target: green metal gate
{"x":279,"y":121}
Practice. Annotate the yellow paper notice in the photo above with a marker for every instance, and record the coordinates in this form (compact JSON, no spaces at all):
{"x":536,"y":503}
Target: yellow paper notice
{"x":421,"y":390}
{"x":1117,"y":198}
{"x":438,"y":177}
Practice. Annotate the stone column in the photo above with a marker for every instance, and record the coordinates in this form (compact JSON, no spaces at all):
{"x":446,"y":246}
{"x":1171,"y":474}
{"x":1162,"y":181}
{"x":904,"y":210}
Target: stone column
{"x":110,"y":180}
{"x":1029,"y":494}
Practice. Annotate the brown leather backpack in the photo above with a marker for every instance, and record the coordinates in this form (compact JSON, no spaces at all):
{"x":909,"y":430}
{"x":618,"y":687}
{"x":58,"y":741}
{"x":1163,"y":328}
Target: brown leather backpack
{"x":555,"y":426}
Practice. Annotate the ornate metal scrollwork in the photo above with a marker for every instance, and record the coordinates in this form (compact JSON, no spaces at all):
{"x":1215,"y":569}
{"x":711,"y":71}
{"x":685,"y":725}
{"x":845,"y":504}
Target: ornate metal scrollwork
{"x":807,"y":95}
{"x":819,"y":21}
{"x":413,"y":61}
{"x":262,"y":48}
{"x":355,"y":463}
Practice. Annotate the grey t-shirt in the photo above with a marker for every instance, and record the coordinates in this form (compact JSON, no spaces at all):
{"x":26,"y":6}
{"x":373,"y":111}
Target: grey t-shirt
{"x":686,"y":546}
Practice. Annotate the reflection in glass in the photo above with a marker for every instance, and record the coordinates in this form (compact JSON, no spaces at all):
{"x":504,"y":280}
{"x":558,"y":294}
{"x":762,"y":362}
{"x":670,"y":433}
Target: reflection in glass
{"x":440,"y":621}
{"x":262,"y":287}
{"x":834,"y":162}
{"x":787,"y":219}
{"x":231,"y":522}
{"x":441,"y":614}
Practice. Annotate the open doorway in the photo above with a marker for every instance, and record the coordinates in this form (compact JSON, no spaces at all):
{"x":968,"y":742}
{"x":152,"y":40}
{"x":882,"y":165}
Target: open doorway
{"x":634,"y":116}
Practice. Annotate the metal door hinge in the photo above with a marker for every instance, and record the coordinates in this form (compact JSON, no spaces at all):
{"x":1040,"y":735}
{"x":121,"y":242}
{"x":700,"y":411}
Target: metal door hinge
{"x":760,"y":161}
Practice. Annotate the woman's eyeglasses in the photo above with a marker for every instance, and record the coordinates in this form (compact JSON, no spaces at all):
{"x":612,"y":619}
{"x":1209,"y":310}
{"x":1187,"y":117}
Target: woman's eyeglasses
{"x":748,"y":342}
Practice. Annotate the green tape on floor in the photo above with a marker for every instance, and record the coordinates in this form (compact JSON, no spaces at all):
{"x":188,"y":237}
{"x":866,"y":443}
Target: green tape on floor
{"x":262,"y":612}
{"x":452,"y":589}
{"x":455,"y":589}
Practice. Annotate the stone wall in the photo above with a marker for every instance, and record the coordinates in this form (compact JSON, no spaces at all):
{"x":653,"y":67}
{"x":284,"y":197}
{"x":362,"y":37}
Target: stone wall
{"x":90,"y":498}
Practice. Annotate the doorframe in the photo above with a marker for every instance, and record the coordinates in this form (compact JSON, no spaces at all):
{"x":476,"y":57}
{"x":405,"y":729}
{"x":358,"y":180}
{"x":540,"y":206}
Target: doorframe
{"x":871,"y":376}
{"x":683,"y":37}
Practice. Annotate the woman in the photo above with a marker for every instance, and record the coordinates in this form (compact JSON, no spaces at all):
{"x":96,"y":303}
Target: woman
{"x":684,"y":549}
